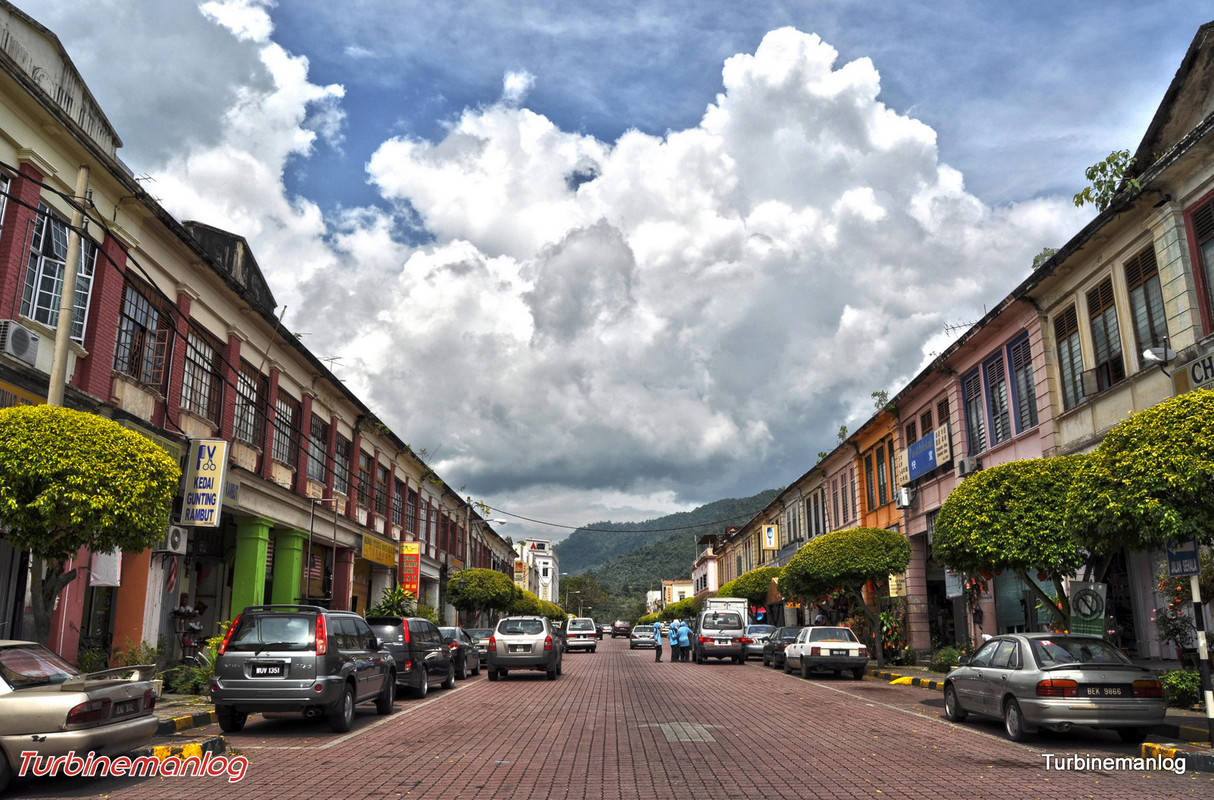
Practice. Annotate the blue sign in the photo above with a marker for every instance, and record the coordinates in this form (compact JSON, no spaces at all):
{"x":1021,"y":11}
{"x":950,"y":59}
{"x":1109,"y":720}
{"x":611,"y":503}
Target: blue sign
{"x":1182,"y":559}
{"x":921,"y":456}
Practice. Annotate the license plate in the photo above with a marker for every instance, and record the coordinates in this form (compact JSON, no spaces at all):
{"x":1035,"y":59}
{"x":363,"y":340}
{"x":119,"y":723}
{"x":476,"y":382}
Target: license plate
{"x":838,"y":652}
{"x":126,"y":707}
{"x":1106,"y":691}
{"x":520,"y":648}
{"x":721,"y":641}
{"x":266,"y":670}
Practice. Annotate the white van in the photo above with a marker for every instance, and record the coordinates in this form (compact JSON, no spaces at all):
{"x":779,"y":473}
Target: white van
{"x":720,"y":633}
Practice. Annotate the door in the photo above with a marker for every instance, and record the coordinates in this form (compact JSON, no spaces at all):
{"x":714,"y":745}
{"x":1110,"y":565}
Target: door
{"x":969,"y":681}
{"x":371,"y":662}
{"x":1004,"y":663}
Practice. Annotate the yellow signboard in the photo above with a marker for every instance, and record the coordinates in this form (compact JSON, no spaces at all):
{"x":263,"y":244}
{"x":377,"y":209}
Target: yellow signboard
{"x":944,"y":449}
{"x":205,"y":469}
{"x":379,"y":552}
{"x":897,"y":585}
{"x":771,"y":537}
{"x":903,"y":468}
{"x":409,"y":567}
{"x":12,"y":396}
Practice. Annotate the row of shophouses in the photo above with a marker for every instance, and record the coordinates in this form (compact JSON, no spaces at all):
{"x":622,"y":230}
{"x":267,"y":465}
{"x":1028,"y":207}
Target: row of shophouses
{"x":175,"y":334}
{"x":1048,"y":371}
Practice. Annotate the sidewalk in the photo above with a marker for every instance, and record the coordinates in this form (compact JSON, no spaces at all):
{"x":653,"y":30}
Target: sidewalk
{"x":1188,"y":729}
{"x":181,"y":718}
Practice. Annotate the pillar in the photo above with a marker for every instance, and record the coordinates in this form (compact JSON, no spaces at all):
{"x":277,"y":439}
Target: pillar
{"x":343,"y":578}
{"x":249,"y":568}
{"x":288,"y":565}
{"x":130,"y":600}
{"x":916,"y":595}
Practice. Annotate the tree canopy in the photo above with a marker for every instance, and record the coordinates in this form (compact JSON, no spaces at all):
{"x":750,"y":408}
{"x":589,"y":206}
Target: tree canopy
{"x":1150,"y":480}
{"x":753,"y":585}
{"x":480,"y":590}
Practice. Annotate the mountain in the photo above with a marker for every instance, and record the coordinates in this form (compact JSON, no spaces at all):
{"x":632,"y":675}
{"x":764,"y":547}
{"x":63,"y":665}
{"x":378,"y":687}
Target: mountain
{"x":662,"y":547}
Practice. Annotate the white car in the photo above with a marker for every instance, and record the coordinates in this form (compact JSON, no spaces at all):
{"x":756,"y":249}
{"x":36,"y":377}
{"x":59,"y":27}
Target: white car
{"x":826,"y":647}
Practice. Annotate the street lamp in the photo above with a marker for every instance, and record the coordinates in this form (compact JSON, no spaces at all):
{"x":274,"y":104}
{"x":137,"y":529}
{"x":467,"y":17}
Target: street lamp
{"x":307,"y":570}
{"x":567,"y":593}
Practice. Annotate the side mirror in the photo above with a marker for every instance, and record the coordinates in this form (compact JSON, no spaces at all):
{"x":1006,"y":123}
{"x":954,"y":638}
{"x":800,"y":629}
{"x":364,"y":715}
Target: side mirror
{"x":963,"y":660}
{"x":376,"y":643}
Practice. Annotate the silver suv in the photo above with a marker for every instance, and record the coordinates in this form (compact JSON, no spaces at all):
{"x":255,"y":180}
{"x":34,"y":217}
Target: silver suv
{"x":303,"y":659}
{"x":719,"y":634}
{"x":524,"y":643}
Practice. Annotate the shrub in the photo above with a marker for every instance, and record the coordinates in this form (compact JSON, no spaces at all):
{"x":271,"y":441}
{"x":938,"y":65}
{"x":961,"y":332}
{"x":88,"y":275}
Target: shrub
{"x":944,"y":659}
{"x":1183,"y":687}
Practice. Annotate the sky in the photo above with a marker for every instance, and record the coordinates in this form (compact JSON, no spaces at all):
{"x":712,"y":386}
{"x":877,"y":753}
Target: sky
{"x":613,"y":260}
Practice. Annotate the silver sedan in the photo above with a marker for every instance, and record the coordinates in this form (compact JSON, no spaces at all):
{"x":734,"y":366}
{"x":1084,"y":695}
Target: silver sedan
{"x":1056,"y":681}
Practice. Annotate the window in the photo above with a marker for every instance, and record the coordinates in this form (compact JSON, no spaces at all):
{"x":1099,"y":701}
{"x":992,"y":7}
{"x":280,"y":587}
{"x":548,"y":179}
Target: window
{"x":144,"y":332}
{"x":911,"y":432}
{"x":925,"y":422}
{"x":44,"y":274}
{"x":1106,"y":336}
{"x":318,"y":448}
{"x":1021,"y":357}
{"x":892,"y":454}
{"x":975,"y":424}
{"x":996,"y":399}
{"x":381,"y":490}
{"x":364,"y":479}
{"x":411,"y":512}
{"x":252,"y":389}
{"x":1070,"y":359}
{"x":834,"y":491}
{"x":341,"y":465}
{"x":869,"y":483}
{"x":3,"y":199}
{"x":1203,"y":232}
{"x":849,"y":495}
{"x":202,"y":381}
{"x":1146,"y":300}
{"x":286,"y":435}
{"x":398,"y":503}
{"x":882,"y":477}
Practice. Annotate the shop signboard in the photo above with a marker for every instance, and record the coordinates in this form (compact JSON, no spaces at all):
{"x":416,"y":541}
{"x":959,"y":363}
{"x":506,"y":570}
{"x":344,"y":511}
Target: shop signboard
{"x":378,"y":552}
{"x":410,"y":566}
{"x":771,"y":537}
{"x":1088,"y":607}
{"x":206,"y":466}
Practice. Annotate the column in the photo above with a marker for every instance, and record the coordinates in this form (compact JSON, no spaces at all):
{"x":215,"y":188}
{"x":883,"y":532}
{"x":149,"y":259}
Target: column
{"x":288,"y":565}
{"x":343,"y":578}
{"x":249,"y":569}
{"x":916,"y":595}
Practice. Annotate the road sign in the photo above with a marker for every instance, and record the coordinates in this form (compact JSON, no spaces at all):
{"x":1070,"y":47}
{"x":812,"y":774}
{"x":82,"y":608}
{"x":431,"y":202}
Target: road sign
{"x":1182,"y":559}
{"x":1087,"y":607}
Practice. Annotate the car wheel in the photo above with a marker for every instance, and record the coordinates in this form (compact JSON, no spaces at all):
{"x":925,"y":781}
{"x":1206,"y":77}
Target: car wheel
{"x":449,"y":681}
{"x":231,"y":720}
{"x":1013,"y":721}
{"x":551,"y":674}
{"x":6,"y":771}
{"x":502,"y":673}
{"x":787,"y":666}
{"x":383,"y":703}
{"x":423,"y":688}
{"x":1132,"y":735}
{"x":804,"y":669}
{"x":493,"y":675}
{"x":858,"y":673}
{"x":462,"y":674}
{"x":952,"y":705}
{"x":593,"y":649}
{"x":766,"y":661}
{"x":342,"y":715}
{"x":476,"y":667}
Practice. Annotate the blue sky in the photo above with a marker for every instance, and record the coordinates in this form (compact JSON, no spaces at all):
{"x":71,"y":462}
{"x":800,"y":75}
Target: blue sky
{"x":611,"y":260}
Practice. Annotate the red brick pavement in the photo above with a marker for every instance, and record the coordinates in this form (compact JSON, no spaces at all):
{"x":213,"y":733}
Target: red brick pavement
{"x":617,"y":726}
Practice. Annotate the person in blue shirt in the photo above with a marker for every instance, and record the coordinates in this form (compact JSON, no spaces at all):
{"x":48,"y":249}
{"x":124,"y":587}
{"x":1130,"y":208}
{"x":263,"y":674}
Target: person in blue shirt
{"x":684,"y":640}
{"x":657,"y":640}
{"x":674,"y":640}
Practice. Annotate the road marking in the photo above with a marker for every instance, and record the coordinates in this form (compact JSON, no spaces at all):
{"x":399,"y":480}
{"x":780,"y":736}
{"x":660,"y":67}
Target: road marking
{"x":684,"y":731}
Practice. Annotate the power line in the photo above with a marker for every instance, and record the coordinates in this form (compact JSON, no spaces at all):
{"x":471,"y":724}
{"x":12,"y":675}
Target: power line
{"x":614,"y":530}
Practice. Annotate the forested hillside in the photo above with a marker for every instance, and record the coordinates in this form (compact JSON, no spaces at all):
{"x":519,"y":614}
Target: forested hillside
{"x":639,"y":551}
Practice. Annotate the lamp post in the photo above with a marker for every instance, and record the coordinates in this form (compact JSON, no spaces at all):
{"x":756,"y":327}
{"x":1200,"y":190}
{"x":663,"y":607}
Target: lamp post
{"x":307,"y":570}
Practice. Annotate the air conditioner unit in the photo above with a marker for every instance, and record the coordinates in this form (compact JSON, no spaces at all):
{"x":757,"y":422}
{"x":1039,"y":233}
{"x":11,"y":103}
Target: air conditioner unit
{"x":175,"y":541}
{"x":903,"y":497}
{"x":18,"y":341}
{"x":967,"y":465}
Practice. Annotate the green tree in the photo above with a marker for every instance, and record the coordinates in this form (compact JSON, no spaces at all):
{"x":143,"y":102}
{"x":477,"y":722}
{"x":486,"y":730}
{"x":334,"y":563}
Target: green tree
{"x":1045,"y":255}
{"x":1108,"y":178}
{"x":477,"y":590}
{"x":1007,"y":518}
{"x":847,"y":560}
{"x":69,"y":479}
{"x":1149,"y":482}
{"x":754,"y":586}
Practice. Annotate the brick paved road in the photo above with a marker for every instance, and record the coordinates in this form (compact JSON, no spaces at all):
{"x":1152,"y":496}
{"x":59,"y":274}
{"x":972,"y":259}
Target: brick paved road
{"x":617,"y":726}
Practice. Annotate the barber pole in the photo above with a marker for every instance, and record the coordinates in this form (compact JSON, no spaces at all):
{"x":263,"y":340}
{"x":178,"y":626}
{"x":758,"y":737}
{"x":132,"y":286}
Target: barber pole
{"x":170,"y":576}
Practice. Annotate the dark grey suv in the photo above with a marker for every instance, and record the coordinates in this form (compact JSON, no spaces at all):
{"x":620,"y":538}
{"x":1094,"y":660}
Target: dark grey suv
{"x":303,"y":659}
{"x":420,"y":651}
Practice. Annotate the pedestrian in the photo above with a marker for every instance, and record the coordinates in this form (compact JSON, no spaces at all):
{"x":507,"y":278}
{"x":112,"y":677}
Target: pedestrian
{"x":684,"y":640}
{"x":819,"y":620}
{"x":657,"y":641}
{"x":674,"y":640}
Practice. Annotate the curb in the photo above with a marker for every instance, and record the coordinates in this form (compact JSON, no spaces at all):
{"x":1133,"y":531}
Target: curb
{"x":1195,"y":761}
{"x":893,"y":676}
{"x":212,"y":744}
{"x":172,"y":725}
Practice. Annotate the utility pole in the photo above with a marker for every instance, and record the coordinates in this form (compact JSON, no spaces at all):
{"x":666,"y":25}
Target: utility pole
{"x":67,"y":298}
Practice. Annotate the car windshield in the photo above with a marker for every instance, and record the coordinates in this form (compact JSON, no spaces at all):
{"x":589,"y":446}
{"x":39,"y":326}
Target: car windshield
{"x":27,"y":665}
{"x":520,"y":627}
{"x":450,"y":633}
{"x":722,"y":620}
{"x":1075,"y":651}
{"x":831,"y":635}
{"x":478,"y":633}
{"x":787,"y":633}
{"x":274,"y":632}
{"x":581,"y":625}
{"x":760,"y":629}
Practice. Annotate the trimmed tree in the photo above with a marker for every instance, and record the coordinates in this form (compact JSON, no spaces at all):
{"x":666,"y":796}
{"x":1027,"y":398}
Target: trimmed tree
{"x":847,"y":559}
{"x":754,"y":586}
{"x":70,"y":479}
{"x":1150,"y":480}
{"x":476,"y":590}
{"x":1009,"y":517}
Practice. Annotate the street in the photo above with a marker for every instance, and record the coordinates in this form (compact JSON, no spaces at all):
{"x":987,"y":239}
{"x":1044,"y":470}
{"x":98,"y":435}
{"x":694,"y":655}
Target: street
{"x":618,"y":725}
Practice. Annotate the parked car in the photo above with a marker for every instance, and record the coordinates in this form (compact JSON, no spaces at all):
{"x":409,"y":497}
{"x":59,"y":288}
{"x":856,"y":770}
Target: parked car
{"x":464,"y":656}
{"x":603,"y":630}
{"x":621,"y":627}
{"x":480,"y":636}
{"x":756,"y":637}
{"x":524,"y":643}
{"x":826,"y":647}
{"x":49,"y":707}
{"x":773,"y":648}
{"x":1057,"y":681}
{"x":303,"y":659}
{"x":581,"y":634}
{"x":641,"y":638}
{"x":422,"y":656}
{"x":719,"y":634}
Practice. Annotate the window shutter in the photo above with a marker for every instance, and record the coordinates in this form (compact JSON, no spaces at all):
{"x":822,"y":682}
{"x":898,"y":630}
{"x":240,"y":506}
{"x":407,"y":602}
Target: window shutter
{"x":1203,"y":222}
{"x":1141,"y":268}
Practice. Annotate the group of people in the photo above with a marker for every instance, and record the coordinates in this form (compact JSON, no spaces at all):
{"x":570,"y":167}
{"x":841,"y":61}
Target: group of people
{"x":680,"y":641}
